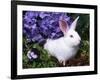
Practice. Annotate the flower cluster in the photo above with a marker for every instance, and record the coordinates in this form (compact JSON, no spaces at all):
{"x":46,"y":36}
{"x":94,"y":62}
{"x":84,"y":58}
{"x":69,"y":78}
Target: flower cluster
{"x":33,"y":54}
{"x":38,"y":26}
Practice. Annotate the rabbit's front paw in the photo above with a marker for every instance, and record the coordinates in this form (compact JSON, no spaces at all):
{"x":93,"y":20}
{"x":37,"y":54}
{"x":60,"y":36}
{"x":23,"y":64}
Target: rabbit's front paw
{"x":62,"y":62}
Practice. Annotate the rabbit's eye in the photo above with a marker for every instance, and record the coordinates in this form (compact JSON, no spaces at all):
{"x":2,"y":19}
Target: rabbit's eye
{"x":71,"y":36}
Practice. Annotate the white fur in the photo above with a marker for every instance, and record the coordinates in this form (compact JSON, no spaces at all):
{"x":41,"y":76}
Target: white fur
{"x":65,"y":47}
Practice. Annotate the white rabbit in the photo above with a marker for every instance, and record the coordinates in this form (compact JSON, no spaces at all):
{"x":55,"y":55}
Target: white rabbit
{"x":67,"y":46}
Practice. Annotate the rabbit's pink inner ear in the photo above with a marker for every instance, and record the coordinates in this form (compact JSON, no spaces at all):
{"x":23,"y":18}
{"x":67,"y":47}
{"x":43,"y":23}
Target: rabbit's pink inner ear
{"x":63,"y":26}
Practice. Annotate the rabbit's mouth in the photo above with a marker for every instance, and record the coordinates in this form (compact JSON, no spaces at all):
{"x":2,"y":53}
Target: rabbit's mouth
{"x":80,"y":44}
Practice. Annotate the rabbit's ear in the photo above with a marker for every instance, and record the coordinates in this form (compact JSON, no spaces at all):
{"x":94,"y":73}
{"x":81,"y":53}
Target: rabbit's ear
{"x":73,"y":25}
{"x":63,"y":25}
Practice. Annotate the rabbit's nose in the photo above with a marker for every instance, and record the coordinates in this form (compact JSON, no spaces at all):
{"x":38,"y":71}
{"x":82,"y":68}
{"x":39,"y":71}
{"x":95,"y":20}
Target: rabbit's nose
{"x":80,"y":40}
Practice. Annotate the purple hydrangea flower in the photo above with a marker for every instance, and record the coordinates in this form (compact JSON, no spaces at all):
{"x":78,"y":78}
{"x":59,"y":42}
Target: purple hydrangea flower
{"x":38,"y":26}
